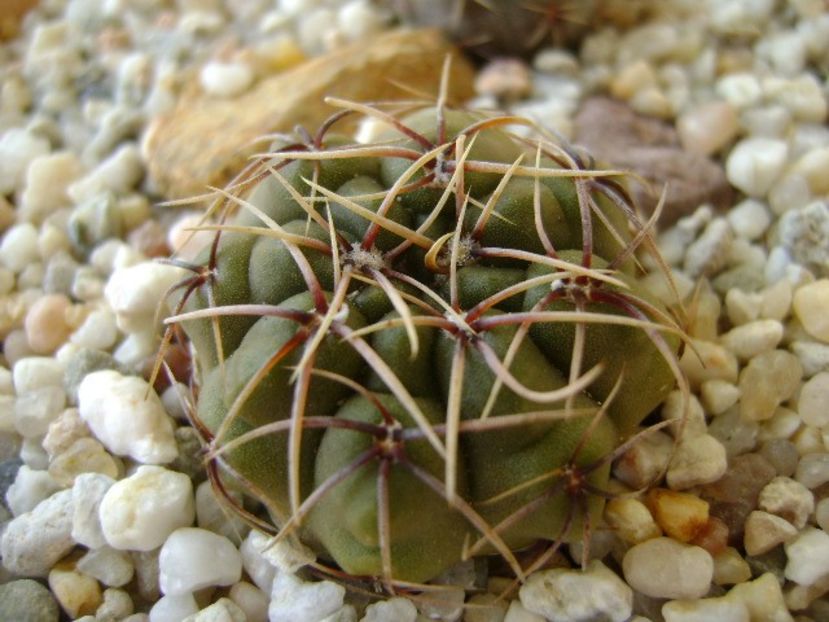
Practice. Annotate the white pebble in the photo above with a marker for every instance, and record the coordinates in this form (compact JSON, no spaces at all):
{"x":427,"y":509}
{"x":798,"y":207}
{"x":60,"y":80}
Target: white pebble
{"x":813,"y":400}
{"x":813,"y":356}
{"x":755,"y":164}
{"x":293,"y":599}
{"x":721,"y":609}
{"x":118,"y":174}
{"x":708,"y":254}
{"x":88,"y":491}
{"x":396,"y":609}
{"x":698,"y":460}
{"x":35,"y":410}
{"x":135,"y":292}
{"x":33,"y":372}
{"x":812,"y":167}
{"x":226,"y":79}
{"x":785,"y":497}
{"x":813,"y":468}
{"x":685,"y":413}
{"x":193,"y":558}
{"x":753,"y":338}
{"x":573,"y":595}
{"x":707,"y":128}
{"x":808,"y":556}
{"x":801,"y":96}
{"x":111,"y":567}
{"x":173,"y":608}
{"x":717,"y":396}
{"x":18,"y":249}
{"x":33,"y":542}
{"x":763,"y":598}
{"x":665,"y":568}
{"x":98,"y":331}
{"x":29,"y":488}
{"x":47,"y":178}
{"x":18,"y":148}
{"x":223,"y":610}
{"x":517,"y":613}
{"x":643,"y":463}
{"x":260,"y":570}
{"x":359,"y":19}
{"x":749,"y":219}
{"x":741,"y":90}
{"x":764,"y":531}
{"x":127,"y":416}
{"x":251,"y":600}
{"x":141,"y":511}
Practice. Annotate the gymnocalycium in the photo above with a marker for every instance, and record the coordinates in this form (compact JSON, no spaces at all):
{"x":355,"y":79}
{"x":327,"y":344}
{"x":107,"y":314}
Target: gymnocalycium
{"x":424,"y":347}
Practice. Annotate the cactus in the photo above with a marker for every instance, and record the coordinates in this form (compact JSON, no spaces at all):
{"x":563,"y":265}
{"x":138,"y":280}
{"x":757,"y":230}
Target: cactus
{"x":427,"y":347}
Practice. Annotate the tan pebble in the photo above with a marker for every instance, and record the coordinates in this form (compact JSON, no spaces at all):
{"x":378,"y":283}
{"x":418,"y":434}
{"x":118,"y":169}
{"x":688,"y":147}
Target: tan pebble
{"x":730,"y":568}
{"x":632,"y":78}
{"x":646,"y":461}
{"x":810,"y":303}
{"x":78,"y":594}
{"x":776,"y":300}
{"x":85,"y":455}
{"x":707,"y":128}
{"x":717,"y":396}
{"x":63,"y":431}
{"x":808,"y":440}
{"x":768,"y":380}
{"x":45,"y":323}
{"x":782,"y":425}
{"x":763,"y":598}
{"x":753,"y":338}
{"x":685,"y":413}
{"x":813,"y":166}
{"x":704,"y":313}
{"x":680,"y":515}
{"x":713,"y":608}
{"x":764,"y":531}
{"x":813,"y":400}
{"x":631,"y":520}
{"x":505,"y":78}
{"x":652,"y":102}
{"x":705,"y":360}
{"x":713,"y":537}
{"x":697,"y":460}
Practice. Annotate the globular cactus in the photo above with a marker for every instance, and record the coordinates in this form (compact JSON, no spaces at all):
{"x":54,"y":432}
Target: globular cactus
{"x":424,"y":348}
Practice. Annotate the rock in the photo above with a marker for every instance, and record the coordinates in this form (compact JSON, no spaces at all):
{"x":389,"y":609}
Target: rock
{"x":808,"y":556}
{"x":205,"y":139}
{"x":18,"y":249}
{"x":260,"y":570}
{"x":18,"y":148}
{"x":78,"y":594}
{"x":293,"y":599}
{"x":645,"y":461}
{"x":764,"y":531}
{"x":507,"y":79}
{"x":706,"y":360}
{"x":98,"y":331}
{"x":721,"y":609}
{"x":34,"y":372}
{"x":810,"y":304}
{"x":769,"y":379}
{"x":251,"y":600}
{"x":788,"y":499}
{"x":47,"y":179}
{"x":615,"y":134}
{"x":717,"y":396}
{"x":193,"y":558}
{"x":730,"y":568}
{"x":665,"y":568}
{"x":709,"y":253}
{"x":140,"y":512}
{"x":25,"y":600}
{"x":85,"y":455}
{"x":30,"y":487}
{"x":517,"y":613}
{"x":34,"y":541}
{"x":127,"y":416}
{"x":763,"y":598}
{"x":36,"y":410}
{"x":81,"y":363}
{"x":755,"y":164}
{"x":804,"y":234}
{"x":135,"y":292}
{"x":116,"y":606}
{"x":173,"y":608}
{"x":397,"y":608}
{"x":575,"y":595}
{"x":753,"y":338}
{"x":707,"y":128}
{"x":680,"y":515}
{"x":213,"y":516}
{"x":813,"y":469}
{"x":223,"y":610}
{"x":116,"y":175}
{"x":631,"y":520}
{"x":697,"y":460}
{"x":111,"y":567}
{"x":87,"y":493}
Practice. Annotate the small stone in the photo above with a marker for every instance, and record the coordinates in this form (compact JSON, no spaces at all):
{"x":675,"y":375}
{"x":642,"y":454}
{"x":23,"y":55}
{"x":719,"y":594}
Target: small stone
{"x":396,"y":609}
{"x":223,"y":610}
{"x":25,"y":600}
{"x":135,"y":292}
{"x":642,"y":464}
{"x":18,"y":249}
{"x":665,"y":568}
{"x":18,"y":149}
{"x":85,"y":455}
{"x":111,"y":567}
{"x":98,"y":331}
{"x":517,"y":613}
{"x":118,"y":174}
{"x":810,"y":165}
{"x":705,"y":360}
{"x":564,"y":594}
{"x":808,"y":556}
{"x":80,"y":364}
{"x":717,"y":396}
{"x":782,"y":454}
{"x":174,"y":608}
{"x":47,"y":179}
{"x":813,"y":356}
{"x":631,"y":520}
{"x":697,"y":460}
{"x":293,"y":599}
{"x":251,"y":600}
{"x":721,"y":609}
{"x":808,"y":441}
{"x":127,"y":416}
{"x":769,"y":379}
{"x":258,"y":567}
{"x":680,"y":515}
{"x":193,"y":558}
{"x":749,"y":219}
{"x":141,"y":511}
{"x":763,"y":598}
{"x":776,"y":300}
{"x":730,"y":568}
{"x":116,"y":607}
{"x":30,"y":487}
{"x":94,"y":221}
{"x":146,"y":574}
{"x":685,"y":413}
{"x":755,"y":163}
{"x":485,"y":608}
{"x":87,"y":493}
{"x":741,"y":90}
{"x":34,"y":411}
{"x":788,"y":499}
{"x":508,"y":79}
{"x":707,"y":128}
{"x":213,"y":516}
{"x":35,"y":372}
{"x":804,"y":234}
{"x":736,"y":434}
{"x":764,"y":531}
{"x":813,"y":468}
{"x":753,"y":338}
{"x":810,"y":304}
{"x":226,"y":79}
{"x":34,"y":541}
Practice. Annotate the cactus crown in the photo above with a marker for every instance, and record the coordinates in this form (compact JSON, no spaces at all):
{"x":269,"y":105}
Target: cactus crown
{"x":426,"y":347}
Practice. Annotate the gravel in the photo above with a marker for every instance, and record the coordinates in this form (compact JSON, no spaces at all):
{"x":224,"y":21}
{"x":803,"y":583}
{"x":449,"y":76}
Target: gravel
{"x":741,"y":494}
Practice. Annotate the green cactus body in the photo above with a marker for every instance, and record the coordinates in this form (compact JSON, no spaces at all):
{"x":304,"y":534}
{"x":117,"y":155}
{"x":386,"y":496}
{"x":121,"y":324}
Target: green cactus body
{"x":406,"y":371}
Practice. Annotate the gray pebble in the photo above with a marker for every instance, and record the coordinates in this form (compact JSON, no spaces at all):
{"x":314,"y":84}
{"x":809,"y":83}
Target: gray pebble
{"x":94,"y":221}
{"x":60,"y":274}
{"x":26,"y":600}
{"x":805,"y":234}
{"x":83,"y":362}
